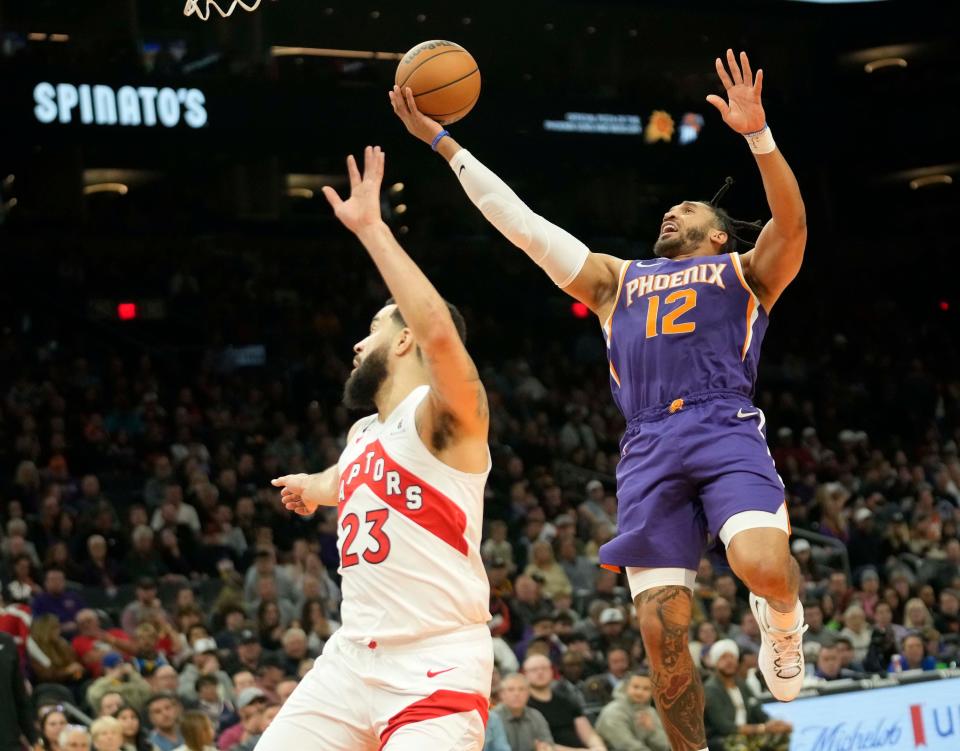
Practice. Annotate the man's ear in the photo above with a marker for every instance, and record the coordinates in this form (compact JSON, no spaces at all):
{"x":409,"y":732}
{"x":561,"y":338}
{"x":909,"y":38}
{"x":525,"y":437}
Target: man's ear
{"x":403,"y":342}
{"x":718,"y":237}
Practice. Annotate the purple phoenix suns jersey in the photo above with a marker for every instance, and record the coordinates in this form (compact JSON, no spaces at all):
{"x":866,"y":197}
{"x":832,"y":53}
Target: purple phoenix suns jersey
{"x":681,"y":328}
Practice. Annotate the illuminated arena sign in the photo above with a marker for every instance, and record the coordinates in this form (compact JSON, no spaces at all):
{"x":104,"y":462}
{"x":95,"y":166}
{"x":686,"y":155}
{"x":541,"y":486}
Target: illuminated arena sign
{"x":128,"y":106}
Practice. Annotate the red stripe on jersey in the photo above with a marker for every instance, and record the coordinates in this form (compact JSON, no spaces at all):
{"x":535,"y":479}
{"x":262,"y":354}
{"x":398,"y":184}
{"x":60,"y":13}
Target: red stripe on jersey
{"x":438,"y":704}
{"x":406,"y":493}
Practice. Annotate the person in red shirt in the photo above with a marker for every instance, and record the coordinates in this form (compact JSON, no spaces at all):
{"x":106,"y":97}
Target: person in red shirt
{"x":92,"y":642}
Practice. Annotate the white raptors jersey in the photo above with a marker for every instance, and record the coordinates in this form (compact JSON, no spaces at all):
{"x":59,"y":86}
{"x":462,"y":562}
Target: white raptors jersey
{"x":408,"y":531}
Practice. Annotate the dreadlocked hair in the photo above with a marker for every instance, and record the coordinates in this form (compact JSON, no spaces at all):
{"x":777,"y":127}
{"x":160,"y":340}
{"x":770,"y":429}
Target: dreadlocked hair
{"x":728,"y":224}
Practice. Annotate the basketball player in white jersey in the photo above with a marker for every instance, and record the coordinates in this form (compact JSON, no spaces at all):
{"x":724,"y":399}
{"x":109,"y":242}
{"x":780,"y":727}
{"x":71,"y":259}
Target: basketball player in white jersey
{"x":410,"y":668}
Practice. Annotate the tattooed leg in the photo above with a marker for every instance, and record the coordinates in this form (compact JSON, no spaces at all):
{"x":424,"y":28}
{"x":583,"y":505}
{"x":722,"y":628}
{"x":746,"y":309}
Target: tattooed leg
{"x":664,"y":614}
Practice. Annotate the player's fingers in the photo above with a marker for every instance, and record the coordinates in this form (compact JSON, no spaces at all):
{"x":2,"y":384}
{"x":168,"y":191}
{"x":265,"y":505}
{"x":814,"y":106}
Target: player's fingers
{"x":734,"y":68}
{"x":280,"y":482}
{"x":332,"y":198}
{"x":724,"y":76}
{"x":401,"y":101}
{"x":745,"y":65}
{"x":381,"y":162}
{"x":758,"y":84}
{"x":411,"y":102}
{"x":717,"y":101}
{"x":353,"y":172}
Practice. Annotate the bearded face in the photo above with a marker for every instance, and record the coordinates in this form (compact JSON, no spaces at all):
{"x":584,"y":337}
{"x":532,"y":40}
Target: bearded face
{"x":360,"y":390}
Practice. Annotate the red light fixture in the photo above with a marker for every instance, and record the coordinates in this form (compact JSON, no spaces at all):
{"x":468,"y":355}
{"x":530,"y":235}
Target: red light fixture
{"x":579,"y":310}
{"x":944,"y":306}
{"x":127,"y":311}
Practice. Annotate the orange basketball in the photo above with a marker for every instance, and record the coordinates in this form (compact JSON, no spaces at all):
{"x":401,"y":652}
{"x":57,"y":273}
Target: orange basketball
{"x":444,"y":78}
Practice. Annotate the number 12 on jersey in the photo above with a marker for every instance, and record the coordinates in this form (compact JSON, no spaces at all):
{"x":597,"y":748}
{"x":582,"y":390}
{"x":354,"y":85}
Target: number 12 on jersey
{"x":669,"y":323}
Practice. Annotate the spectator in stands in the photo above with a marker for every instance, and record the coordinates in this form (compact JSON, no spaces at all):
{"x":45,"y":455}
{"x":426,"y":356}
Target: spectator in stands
{"x":319,"y":628}
{"x":249,"y":653}
{"x":295,"y":650}
{"x":581,"y":573}
{"x":164,"y":713}
{"x":211,"y":702}
{"x":266,"y":717}
{"x":869,"y":594}
{"x":145,"y":608}
{"x":110,"y":704}
{"x":101,"y":570}
{"x":74,"y":738}
{"x":165,"y":680}
{"x":914,"y":655}
{"x":265,"y":567}
{"x":21,"y":585}
{"x":495,"y":738}
{"x":155,"y":488}
{"x":285,"y":689}
{"x":809,"y":567}
{"x":850,"y":666}
{"x":726,"y":587}
{"x":630,"y":722}
{"x":857,"y":631}
{"x":51,"y":721}
{"x":618,"y":666}
{"x":916,"y":615}
{"x":721,"y":614}
{"x":92,"y":641}
{"x":251,"y":703}
{"x":568,"y":725}
{"x":143,"y":561}
{"x":947,"y":620}
{"x":56,"y":661}
{"x":106,"y":734}
{"x":526,"y":604}
{"x":525,"y":727}
{"x":58,"y":601}
{"x":204,"y":661}
{"x":749,"y":637}
{"x":828,"y":663}
{"x":731,"y":708}
{"x":198,"y":732}
{"x":134,"y":734}
{"x":496,"y":546}
{"x":179,"y":512}
{"x":118,"y":677}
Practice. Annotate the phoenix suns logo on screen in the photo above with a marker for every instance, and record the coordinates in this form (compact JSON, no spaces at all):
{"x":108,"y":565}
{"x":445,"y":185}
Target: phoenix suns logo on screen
{"x":130,"y":106}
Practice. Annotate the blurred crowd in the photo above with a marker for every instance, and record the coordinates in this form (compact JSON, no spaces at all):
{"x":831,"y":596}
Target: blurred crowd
{"x":157,"y":596}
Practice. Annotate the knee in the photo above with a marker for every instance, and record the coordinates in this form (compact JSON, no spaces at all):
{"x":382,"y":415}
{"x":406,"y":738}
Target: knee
{"x":664,"y":621}
{"x":763,"y":572}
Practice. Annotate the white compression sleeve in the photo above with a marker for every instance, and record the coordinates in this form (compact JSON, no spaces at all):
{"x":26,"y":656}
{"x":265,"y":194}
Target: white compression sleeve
{"x":556,"y":251}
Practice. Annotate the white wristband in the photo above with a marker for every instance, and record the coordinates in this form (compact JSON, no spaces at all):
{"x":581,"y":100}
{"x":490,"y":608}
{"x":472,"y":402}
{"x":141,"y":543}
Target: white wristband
{"x":762,"y":141}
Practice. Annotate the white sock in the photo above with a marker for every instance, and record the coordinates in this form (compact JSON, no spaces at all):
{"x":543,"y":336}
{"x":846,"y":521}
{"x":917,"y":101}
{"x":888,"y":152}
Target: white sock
{"x":785,"y":621}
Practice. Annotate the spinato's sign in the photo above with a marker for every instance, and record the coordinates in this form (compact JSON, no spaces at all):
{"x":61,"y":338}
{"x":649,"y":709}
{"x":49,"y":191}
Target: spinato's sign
{"x":129,"y":106}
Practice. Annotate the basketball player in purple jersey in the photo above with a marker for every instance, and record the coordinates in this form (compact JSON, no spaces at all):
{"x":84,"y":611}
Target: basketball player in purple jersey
{"x":683,"y":336}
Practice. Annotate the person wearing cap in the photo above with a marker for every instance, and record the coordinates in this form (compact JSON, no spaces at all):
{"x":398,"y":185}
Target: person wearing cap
{"x":119,"y":677}
{"x":592,"y":510}
{"x":809,"y":567}
{"x":731,"y":708}
{"x":204,"y":661}
{"x":248,"y":653}
{"x":251,"y":703}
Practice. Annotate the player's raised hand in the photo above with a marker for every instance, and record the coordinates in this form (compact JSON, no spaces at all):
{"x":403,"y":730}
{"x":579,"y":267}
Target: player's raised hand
{"x":418,"y":124}
{"x":362,"y":209}
{"x":742,"y":111}
{"x":293,"y":488}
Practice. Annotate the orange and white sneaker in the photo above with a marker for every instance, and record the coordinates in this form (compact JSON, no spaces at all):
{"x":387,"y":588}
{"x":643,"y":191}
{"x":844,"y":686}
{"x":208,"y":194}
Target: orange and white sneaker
{"x":781,"y":653}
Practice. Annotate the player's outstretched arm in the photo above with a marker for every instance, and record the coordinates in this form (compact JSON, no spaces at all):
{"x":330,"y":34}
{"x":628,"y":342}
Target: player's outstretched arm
{"x":458,"y":400}
{"x":591,"y":278}
{"x":776,"y":258}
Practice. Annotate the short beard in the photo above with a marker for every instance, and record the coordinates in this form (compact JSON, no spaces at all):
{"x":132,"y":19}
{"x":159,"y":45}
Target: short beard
{"x":360,"y":390}
{"x":673,"y":246}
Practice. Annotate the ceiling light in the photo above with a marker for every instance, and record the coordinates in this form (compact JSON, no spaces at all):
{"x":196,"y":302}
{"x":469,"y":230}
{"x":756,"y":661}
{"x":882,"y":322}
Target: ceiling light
{"x":36,"y":36}
{"x":885,"y":62}
{"x":397,"y":188}
{"x":118,"y":188}
{"x":401,"y":208}
{"x":928,"y":180}
{"x":59,"y":37}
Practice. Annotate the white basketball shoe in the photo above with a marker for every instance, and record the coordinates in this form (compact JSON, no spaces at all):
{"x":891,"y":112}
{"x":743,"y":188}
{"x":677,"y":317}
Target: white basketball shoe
{"x":781,"y":653}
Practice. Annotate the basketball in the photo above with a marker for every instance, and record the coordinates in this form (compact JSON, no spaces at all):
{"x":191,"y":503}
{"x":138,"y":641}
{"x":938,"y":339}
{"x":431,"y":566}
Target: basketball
{"x":444,"y":78}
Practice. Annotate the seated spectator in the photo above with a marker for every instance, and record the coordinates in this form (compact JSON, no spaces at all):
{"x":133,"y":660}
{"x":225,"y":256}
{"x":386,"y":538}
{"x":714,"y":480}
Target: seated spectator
{"x":101,"y":570}
{"x":916,"y":615}
{"x":92,"y":641}
{"x":727,"y":587}
{"x":495,"y":738}
{"x":630,"y":722}
{"x":612,"y":631}
{"x":74,"y":738}
{"x":121,"y":678}
{"x":110,"y":704}
{"x":816,"y":629}
{"x":526,"y":605}
{"x":948,"y":618}
{"x":913,"y":655}
{"x":210,"y":701}
{"x":106,"y":733}
{"x":52,"y":721}
{"x":749,"y":637}
{"x":295,"y":650}
{"x":134,"y":734}
{"x":148,"y":656}
{"x":204,"y":661}
{"x":525,"y":727}
{"x":249,"y":743}
{"x":731,"y":708}
{"x":721,"y":614}
{"x":579,"y":570}
{"x":828,"y":664}
{"x":54,"y":661}
{"x":251,"y":702}
{"x":618,"y":667}
{"x":198,"y":732}
{"x":58,"y":601}
{"x":165,"y":680}
{"x":21,"y":585}
{"x":856,"y":629}
{"x":146,"y":606}
{"x":568,"y":725}
{"x":869,"y":594}
{"x":318,"y":626}
{"x":248,"y":654}
{"x":144,"y":560}
{"x":285,"y":689}
{"x":164,"y":710}
{"x":497,"y":546}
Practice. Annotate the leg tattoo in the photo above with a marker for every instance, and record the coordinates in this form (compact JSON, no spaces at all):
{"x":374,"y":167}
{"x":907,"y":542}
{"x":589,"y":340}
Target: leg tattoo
{"x":665,"y":614}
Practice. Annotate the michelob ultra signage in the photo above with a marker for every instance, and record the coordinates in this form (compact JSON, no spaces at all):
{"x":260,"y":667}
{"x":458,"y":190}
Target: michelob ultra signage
{"x":128,"y":106}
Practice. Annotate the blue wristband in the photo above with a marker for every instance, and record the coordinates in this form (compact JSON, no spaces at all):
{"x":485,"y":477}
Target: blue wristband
{"x":437,"y":138}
